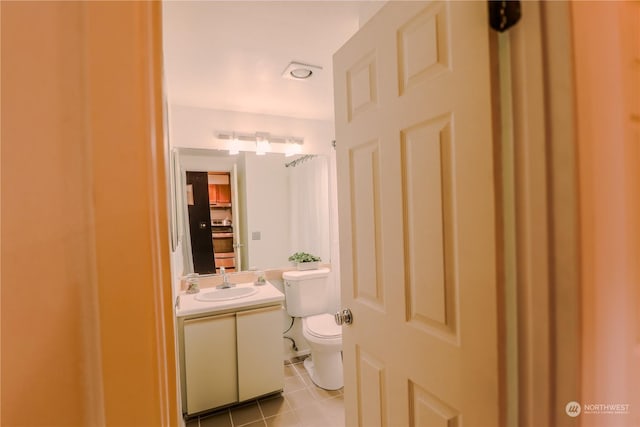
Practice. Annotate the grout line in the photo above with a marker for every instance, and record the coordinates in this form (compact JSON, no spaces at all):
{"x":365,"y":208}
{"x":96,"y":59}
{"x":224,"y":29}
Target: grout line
{"x":261,"y":413}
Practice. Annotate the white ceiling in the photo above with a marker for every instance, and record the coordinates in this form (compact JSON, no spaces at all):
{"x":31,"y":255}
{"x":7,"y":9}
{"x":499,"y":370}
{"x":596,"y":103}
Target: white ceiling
{"x":230,"y":55}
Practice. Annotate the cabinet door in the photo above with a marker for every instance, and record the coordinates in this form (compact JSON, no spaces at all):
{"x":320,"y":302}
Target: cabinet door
{"x":213,"y":194}
{"x":224,"y":193}
{"x":260,"y":354}
{"x":210,"y":362}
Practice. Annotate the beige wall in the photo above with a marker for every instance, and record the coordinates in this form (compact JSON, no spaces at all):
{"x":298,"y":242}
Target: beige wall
{"x":608,"y":96}
{"x":87,"y":334}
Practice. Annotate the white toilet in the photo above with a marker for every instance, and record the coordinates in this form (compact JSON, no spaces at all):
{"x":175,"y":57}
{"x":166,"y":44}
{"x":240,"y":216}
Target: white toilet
{"x":306,"y":297}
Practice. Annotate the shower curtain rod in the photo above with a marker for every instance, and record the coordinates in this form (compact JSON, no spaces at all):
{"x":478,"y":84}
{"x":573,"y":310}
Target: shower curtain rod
{"x":300,"y":160}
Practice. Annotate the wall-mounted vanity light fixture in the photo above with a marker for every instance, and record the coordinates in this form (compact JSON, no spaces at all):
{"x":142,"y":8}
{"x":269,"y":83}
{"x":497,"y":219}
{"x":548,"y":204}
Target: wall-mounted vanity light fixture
{"x":260,"y":142}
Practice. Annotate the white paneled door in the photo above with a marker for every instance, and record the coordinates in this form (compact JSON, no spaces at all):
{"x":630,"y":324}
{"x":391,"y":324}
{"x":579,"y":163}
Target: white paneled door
{"x":417,"y":220}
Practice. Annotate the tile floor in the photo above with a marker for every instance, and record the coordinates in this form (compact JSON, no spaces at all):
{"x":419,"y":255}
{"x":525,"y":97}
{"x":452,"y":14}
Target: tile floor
{"x":301,"y":404}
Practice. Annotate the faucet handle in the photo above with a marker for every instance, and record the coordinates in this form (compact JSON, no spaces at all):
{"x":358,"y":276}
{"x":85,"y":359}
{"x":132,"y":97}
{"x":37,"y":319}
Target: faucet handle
{"x":222,"y":270}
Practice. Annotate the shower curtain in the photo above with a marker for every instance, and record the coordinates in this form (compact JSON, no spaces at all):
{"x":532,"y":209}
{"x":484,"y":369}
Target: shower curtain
{"x":309,"y":207}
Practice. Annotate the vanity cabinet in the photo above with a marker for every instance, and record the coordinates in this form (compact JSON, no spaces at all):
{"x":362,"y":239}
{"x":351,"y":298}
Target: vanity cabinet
{"x":231,"y":357}
{"x":211,"y":378}
{"x":259,"y":344}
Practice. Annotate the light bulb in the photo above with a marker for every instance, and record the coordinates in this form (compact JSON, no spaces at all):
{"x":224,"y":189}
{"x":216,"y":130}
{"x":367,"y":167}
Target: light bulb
{"x":262,"y":146}
{"x":292,"y":149}
{"x":234,"y":147}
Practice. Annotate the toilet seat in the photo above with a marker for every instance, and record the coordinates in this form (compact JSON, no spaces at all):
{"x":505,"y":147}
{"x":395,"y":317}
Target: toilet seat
{"x":322,"y":326}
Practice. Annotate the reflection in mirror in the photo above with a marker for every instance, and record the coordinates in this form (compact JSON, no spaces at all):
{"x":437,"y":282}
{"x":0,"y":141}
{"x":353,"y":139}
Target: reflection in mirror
{"x":211,"y":207}
{"x":274,"y":206}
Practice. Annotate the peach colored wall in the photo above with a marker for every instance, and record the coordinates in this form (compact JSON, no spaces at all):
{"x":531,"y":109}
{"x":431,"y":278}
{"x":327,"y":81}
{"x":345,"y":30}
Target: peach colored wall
{"x":87,"y":329}
{"x":609,"y":165}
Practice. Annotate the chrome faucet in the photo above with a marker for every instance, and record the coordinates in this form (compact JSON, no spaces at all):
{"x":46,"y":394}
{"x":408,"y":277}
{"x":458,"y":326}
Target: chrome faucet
{"x":225,"y":280}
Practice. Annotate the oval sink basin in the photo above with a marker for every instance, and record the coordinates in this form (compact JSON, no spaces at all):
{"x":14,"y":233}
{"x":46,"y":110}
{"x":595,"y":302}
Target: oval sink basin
{"x":226,"y":294}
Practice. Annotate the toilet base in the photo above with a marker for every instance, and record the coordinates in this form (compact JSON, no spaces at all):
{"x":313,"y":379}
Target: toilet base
{"x":326,"y":370}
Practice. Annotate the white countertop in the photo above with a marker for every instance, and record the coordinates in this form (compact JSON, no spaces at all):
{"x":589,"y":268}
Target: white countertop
{"x":265,"y":294}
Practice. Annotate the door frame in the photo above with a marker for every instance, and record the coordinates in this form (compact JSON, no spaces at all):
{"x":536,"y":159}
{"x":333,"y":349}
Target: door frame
{"x":134,"y":302}
{"x":607,"y":84}
{"x":546,"y":214}
{"x":545,"y":351}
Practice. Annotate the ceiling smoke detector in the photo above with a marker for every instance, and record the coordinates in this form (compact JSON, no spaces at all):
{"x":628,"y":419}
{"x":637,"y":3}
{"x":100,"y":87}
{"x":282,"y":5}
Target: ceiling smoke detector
{"x":300,"y":71}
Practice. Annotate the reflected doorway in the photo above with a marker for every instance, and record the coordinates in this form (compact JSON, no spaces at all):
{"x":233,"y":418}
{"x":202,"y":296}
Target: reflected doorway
{"x":211,"y":221}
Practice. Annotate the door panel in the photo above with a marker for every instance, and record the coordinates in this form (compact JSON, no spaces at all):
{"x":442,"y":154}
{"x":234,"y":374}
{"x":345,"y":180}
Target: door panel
{"x":428,"y":410}
{"x":365,"y":190}
{"x":370,"y":376}
{"x":417,"y":223}
{"x":423,"y":47}
{"x":426,"y":187}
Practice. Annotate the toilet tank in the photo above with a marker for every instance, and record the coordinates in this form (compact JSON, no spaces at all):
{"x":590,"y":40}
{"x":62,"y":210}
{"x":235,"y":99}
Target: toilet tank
{"x":306,"y":292}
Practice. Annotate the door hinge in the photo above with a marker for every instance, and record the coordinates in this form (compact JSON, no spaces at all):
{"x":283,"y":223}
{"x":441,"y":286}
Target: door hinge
{"x":504,"y":14}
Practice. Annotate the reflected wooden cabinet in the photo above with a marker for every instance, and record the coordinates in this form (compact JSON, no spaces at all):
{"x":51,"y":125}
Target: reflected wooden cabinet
{"x":219,"y":194}
{"x":213,"y":194}
{"x":219,"y":188}
{"x":223,"y":193}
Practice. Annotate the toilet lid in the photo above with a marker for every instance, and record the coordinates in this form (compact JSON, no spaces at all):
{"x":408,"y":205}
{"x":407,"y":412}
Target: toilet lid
{"x":323,"y":325}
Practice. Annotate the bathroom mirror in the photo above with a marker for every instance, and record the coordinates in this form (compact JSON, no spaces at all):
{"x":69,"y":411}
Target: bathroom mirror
{"x":282,"y":205}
